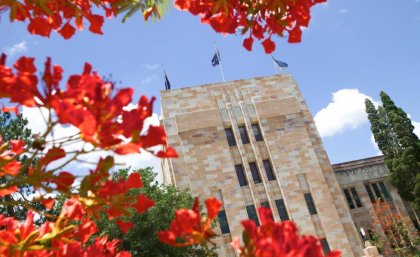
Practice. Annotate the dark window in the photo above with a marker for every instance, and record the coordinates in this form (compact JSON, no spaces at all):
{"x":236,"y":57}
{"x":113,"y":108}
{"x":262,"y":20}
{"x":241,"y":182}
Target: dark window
{"x":325,"y":246}
{"x":224,"y":225}
{"x":377,"y":191}
{"x":254,"y":171}
{"x":348,"y":198}
{"x":257,"y":132}
{"x":310,"y":203}
{"x":268,"y":170}
{"x":241,"y":175}
{"x":281,"y":208}
{"x":265,"y":204}
{"x":252,"y":214}
{"x":230,"y":136}
{"x":244,"y":135}
{"x":370,"y":193}
{"x":356,"y":197}
{"x":384,"y":191}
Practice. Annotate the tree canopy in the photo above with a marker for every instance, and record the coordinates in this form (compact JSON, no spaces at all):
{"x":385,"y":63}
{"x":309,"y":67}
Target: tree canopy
{"x":394,"y":134}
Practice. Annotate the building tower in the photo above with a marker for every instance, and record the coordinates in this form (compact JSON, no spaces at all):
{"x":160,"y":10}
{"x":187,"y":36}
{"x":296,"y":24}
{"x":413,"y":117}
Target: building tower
{"x":254,"y":143}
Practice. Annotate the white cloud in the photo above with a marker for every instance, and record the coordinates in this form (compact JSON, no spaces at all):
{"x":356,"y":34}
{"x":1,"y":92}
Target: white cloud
{"x":37,"y":125}
{"x":416,"y":128}
{"x":343,"y":11}
{"x":151,"y":66}
{"x":17,"y":48}
{"x":148,"y":79}
{"x":345,"y":112}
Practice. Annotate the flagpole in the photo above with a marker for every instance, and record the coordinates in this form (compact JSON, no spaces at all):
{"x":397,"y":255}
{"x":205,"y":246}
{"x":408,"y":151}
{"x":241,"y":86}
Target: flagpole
{"x":275,"y":66}
{"x":220,"y":62}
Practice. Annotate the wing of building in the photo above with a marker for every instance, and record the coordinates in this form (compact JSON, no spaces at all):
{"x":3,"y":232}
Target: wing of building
{"x":254,"y":143}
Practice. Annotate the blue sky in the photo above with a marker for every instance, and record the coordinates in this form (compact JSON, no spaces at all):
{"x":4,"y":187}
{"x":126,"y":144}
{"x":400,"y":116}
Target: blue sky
{"x":352,"y":50}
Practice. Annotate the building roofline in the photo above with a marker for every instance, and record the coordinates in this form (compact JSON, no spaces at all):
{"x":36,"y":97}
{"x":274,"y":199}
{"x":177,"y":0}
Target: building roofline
{"x":358,"y":163}
{"x":164,"y":92}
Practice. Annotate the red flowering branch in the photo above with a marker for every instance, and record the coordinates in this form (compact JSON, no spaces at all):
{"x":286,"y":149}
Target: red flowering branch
{"x":100,"y":114}
{"x":258,"y":20}
{"x":64,"y":16}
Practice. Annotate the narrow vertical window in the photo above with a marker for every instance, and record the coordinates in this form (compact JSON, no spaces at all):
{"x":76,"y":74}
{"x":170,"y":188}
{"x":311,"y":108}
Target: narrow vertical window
{"x":325,"y":246}
{"x":387,"y":196}
{"x":265,"y":204}
{"x":257,"y":132}
{"x":252,"y":214}
{"x":281,"y":208}
{"x":356,"y":197}
{"x":268,"y":170}
{"x":224,"y":225}
{"x":377,"y":191}
{"x":255,"y":173}
{"x":241,"y":175}
{"x":244,"y":134}
{"x":310,"y":203}
{"x":230,"y":137}
{"x":370,"y":193}
{"x":348,"y":198}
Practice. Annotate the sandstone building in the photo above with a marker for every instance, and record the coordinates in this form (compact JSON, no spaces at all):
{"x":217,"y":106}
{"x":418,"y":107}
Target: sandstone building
{"x":254,"y":143}
{"x":363,"y":181}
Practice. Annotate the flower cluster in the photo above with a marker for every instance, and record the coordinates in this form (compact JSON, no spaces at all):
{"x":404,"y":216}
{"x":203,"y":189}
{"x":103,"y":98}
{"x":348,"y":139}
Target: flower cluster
{"x":259,"y":19}
{"x":279,"y":239}
{"x":100,"y":114}
{"x":65,"y":237}
{"x":64,"y":16}
{"x":189,"y":227}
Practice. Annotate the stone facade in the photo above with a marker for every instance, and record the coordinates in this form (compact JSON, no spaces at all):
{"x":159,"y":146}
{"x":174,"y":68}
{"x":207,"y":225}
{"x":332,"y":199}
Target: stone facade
{"x":357,"y":178}
{"x":254,"y":142}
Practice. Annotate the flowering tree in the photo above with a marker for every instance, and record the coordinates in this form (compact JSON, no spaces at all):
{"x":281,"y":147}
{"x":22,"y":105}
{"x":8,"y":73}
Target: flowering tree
{"x":260,"y":20}
{"x":100,"y":115}
{"x":391,"y":234}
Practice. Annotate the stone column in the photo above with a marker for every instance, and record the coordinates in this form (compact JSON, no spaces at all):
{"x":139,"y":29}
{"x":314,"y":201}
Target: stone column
{"x":370,"y":250}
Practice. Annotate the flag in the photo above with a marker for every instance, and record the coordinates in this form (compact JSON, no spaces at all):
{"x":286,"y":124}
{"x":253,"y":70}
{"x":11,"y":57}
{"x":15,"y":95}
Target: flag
{"x":280,"y":64}
{"x":216,"y":59}
{"x":167,"y":83}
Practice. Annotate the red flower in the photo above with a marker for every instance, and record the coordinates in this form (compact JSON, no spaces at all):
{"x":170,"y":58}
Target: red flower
{"x":277,"y":239}
{"x":248,"y":43}
{"x":268,"y":45}
{"x":189,"y":228}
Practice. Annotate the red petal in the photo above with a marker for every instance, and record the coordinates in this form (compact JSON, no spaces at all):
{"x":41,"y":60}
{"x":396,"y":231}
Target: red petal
{"x":49,"y":203}
{"x":127,"y":149}
{"x":25,"y":64}
{"x":134,"y":181}
{"x":125,"y":226}
{"x":64,"y":180}
{"x":17,"y":146}
{"x":213,"y":205}
{"x":12,"y":168}
{"x":67,"y":31}
{"x":248,"y":43}
{"x":39,"y":26}
{"x":96,"y":22}
{"x":169,"y":153}
{"x":11,"y":109}
{"x":143,"y":204}
{"x":52,"y":155}
{"x":8,"y":191}
{"x":295,"y":35}
{"x":268,"y":45}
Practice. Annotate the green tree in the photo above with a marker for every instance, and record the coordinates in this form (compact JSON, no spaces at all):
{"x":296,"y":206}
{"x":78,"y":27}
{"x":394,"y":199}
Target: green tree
{"x":393,"y":132}
{"x":141,"y":240}
{"x":13,"y":128}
